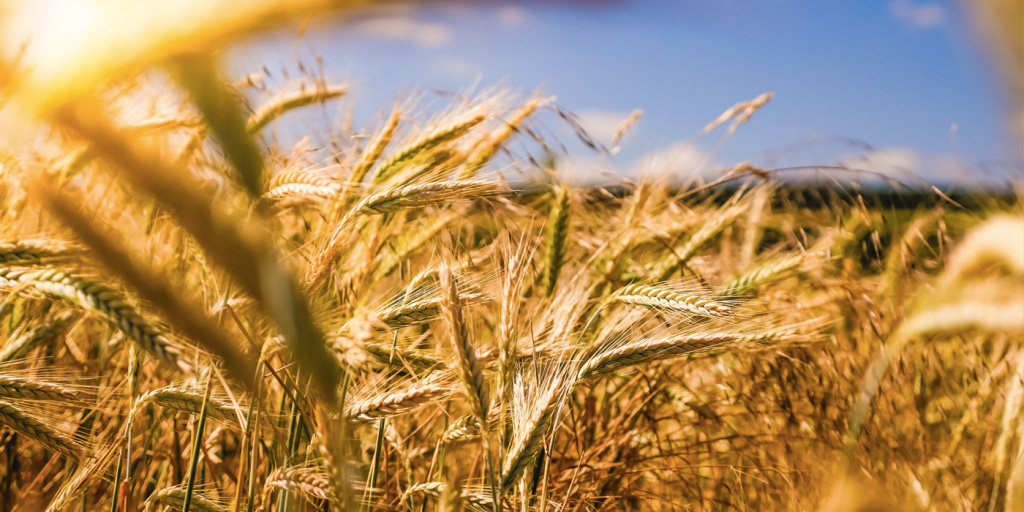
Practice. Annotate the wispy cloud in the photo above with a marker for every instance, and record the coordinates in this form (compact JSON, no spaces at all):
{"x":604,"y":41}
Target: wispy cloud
{"x":425,"y":33}
{"x":917,"y":16}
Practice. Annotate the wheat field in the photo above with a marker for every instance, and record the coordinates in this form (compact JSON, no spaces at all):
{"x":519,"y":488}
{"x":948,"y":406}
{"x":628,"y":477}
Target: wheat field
{"x":195,"y":316}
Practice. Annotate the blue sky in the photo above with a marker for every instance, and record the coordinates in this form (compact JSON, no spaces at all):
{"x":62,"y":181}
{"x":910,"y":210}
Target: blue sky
{"x":896,"y":75}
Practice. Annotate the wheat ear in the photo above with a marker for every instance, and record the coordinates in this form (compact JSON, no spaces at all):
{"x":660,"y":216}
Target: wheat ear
{"x":658,"y":297}
{"x":426,"y":143}
{"x":429,"y":194}
{"x":14,"y":387}
{"x":749,"y":282}
{"x":493,"y":142}
{"x":655,"y":349}
{"x":398,"y":402}
{"x":31,"y":252}
{"x":175,"y":497}
{"x":19,"y":347}
{"x":310,"y":484}
{"x":24,"y":423}
{"x":556,"y":237}
{"x":278,"y":106}
{"x":704,"y":235}
{"x":287,"y":185}
{"x":96,"y":297}
{"x":528,"y":430}
{"x":470,"y":372}
{"x":429,"y":488}
{"x":417,"y":312}
{"x":189,"y":401}
{"x":412,"y":242}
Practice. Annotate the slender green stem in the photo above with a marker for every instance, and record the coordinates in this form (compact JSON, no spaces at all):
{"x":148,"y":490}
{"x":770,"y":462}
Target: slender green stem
{"x":196,"y":444}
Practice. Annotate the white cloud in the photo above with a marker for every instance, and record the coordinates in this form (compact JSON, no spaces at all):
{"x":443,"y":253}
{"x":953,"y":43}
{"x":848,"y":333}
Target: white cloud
{"x":458,"y":68}
{"x":682,"y":162}
{"x":911,"y":167}
{"x":917,"y":16}
{"x":512,"y":16}
{"x":425,"y":33}
{"x":601,"y":124}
